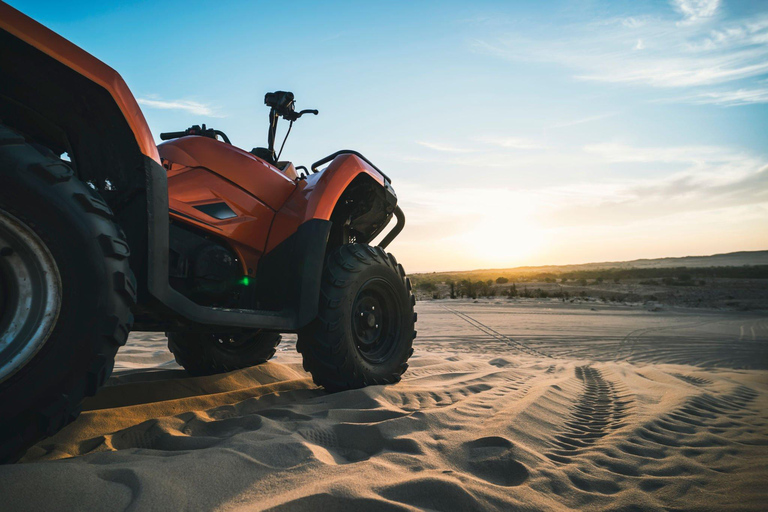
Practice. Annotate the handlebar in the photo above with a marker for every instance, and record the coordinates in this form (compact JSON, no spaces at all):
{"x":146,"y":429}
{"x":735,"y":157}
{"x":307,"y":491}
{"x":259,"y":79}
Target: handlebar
{"x":196,"y":130}
{"x":173,"y":135}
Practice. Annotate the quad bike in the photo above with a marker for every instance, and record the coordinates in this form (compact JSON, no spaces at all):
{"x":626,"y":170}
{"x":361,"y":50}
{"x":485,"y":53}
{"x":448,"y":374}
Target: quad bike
{"x":103,"y":232}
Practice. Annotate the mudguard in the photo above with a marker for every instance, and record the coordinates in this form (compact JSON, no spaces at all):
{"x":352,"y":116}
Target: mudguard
{"x":317,"y":196}
{"x":74,"y":57}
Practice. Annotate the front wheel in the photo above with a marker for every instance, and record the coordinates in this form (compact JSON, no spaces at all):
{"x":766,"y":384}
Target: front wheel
{"x":363,"y":334}
{"x":66,"y":292}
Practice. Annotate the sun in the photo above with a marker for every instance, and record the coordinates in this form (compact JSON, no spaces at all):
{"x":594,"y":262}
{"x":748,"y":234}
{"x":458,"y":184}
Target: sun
{"x":505,"y":233}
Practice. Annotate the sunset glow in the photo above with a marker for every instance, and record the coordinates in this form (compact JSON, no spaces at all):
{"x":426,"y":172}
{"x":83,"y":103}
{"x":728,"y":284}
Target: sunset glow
{"x":515,"y":134}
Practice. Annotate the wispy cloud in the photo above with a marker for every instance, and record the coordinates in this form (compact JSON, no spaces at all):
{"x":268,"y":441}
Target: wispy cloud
{"x":499,"y":142}
{"x":665,"y":51}
{"x":715,"y":192}
{"x":444,"y":147}
{"x":731,"y":98}
{"x":509,"y":142}
{"x":623,"y":153}
{"x":193,"y":107}
{"x":696,"y":10}
{"x":646,"y":200}
{"x":583,"y":120}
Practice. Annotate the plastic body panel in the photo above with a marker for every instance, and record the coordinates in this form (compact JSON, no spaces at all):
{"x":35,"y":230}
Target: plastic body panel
{"x":246,"y":232}
{"x":316,"y":197}
{"x":71,"y":55}
{"x":247,"y":171}
{"x":202,"y":170}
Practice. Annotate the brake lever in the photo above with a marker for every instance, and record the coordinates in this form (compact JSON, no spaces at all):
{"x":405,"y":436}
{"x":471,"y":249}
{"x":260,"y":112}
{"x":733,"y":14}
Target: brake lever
{"x":293,"y":115}
{"x":297,"y":115}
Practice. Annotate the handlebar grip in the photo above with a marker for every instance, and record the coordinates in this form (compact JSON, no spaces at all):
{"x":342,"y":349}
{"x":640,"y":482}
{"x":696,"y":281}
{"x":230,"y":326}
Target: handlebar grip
{"x":172,"y":135}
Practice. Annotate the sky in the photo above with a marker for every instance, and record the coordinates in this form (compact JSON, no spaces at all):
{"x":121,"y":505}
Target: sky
{"x":515,"y":133}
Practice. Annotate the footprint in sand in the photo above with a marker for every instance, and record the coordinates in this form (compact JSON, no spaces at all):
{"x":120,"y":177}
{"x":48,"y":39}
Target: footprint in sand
{"x":492,"y":459}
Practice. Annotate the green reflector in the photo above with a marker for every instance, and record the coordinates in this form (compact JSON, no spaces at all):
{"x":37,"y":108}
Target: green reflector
{"x":245,"y":281}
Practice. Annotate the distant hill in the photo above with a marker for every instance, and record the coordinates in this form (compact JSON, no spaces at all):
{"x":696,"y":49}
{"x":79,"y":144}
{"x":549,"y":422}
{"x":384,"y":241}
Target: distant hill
{"x":731,"y":259}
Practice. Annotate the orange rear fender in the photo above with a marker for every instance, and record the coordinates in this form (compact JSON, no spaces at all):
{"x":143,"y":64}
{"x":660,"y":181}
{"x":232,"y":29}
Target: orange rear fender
{"x":74,"y":57}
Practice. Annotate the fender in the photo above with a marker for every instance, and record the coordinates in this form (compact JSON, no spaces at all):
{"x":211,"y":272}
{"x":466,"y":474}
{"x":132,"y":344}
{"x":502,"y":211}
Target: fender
{"x":317,"y":196}
{"x":74,"y":57}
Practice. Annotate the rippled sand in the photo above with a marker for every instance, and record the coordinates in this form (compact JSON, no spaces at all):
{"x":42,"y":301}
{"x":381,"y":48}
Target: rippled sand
{"x":506,"y":405}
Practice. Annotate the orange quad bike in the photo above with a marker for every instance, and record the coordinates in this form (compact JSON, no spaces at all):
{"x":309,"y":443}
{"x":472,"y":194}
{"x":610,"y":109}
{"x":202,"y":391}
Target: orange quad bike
{"x":102,"y":232}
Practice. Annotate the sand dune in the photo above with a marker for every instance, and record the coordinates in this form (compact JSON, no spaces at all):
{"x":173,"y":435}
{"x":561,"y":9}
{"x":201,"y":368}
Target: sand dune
{"x":537,"y":406}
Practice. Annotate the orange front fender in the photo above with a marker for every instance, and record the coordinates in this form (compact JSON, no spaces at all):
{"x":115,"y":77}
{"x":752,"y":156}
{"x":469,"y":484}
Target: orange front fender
{"x":316,"y":197}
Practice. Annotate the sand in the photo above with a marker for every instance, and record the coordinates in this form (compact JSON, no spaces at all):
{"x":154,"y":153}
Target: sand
{"x":526,"y":405}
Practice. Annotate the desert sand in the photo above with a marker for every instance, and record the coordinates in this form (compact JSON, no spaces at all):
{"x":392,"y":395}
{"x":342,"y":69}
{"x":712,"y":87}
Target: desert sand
{"x":532,"y":405}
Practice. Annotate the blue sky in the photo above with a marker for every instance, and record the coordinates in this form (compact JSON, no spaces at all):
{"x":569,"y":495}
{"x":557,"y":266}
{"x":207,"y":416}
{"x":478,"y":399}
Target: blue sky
{"x":516,"y":133}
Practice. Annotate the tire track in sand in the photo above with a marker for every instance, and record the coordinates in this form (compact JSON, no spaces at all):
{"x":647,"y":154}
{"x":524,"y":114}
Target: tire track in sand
{"x":599,"y":411}
{"x":495,"y":334}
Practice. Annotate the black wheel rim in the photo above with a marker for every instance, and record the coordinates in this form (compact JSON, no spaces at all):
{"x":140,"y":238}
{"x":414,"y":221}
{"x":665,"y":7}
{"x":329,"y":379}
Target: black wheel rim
{"x":376,"y":320}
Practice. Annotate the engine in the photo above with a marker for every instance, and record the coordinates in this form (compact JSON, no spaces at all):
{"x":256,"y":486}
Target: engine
{"x":203,"y":269}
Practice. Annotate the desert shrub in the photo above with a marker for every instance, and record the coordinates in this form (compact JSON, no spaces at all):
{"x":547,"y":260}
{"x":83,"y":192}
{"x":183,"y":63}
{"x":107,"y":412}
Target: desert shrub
{"x":427,"y":286}
{"x":502,"y":280}
{"x":467,"y":289}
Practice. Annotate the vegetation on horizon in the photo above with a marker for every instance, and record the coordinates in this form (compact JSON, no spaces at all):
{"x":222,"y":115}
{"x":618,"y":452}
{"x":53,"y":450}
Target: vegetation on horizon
{"x":564,"y":285}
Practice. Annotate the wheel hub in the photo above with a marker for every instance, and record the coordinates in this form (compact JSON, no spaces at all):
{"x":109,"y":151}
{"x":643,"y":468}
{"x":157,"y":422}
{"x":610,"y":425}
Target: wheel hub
{"x":30,"y":294}
{"x":373,"y":320}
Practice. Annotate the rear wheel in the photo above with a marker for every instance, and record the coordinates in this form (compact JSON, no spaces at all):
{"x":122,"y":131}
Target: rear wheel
{"x":364,"y":330}
{"x":65,"y":294}
{"x":206,"y":353}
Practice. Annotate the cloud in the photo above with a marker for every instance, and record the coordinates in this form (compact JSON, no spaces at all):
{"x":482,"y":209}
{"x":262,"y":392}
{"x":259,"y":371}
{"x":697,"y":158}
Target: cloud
{"x":509,"y":142}
{"x":618,"y":153}
{"x":667,"y":198}
{"x":444,"y":147}
{"x":731,"y":98}
{"x":193,"y":107}
{"x":583,"y":120}
{"x":709,"y":178}
{"x":728,"y":53}
{"x":702,"y":178}
{"x":714,"y":196}
{"x":684,"y":71}
{"x":696,"y":10}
